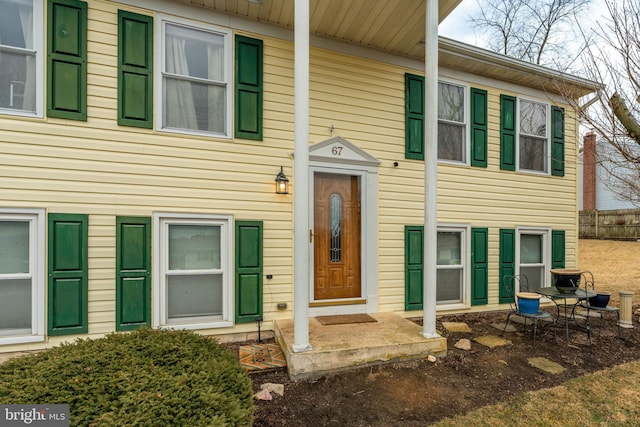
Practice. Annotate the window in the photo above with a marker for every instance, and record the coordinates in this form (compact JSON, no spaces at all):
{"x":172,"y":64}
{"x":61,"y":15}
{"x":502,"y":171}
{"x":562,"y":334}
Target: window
{"x":195,"y":66}
{"x":21,"y":276}
{"x":193,"y":288}
{"x":451,"y":122}
{"x":335,"y":225}
{"x":533,"y":258}
{"x":533,"y":144}
{"x":21,"y":56}
{"x":450,"y":266}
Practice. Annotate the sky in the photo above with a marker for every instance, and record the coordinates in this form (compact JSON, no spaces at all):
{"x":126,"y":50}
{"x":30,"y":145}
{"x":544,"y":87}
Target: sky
{"x":457,"y":25}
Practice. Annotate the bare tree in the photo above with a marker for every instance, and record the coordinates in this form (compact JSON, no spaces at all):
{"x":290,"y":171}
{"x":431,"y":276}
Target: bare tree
{"x":614,"y":113}
{"x":536,"y":31}
{"x":546,"y":32}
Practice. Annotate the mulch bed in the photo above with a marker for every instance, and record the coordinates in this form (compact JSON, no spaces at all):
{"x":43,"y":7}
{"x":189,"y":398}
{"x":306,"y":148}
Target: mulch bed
{"x":419,"y":392}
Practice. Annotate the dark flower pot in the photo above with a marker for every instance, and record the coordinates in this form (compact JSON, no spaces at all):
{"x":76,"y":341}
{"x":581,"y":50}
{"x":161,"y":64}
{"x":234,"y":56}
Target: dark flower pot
{"x":601,"y":300}
{"x":566,"y":280}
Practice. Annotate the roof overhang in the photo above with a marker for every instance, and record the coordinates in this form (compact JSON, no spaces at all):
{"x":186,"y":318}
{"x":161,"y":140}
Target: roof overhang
{"x":464,"y":57}
{"x":390,"y":25}
{"x":398,"y":27}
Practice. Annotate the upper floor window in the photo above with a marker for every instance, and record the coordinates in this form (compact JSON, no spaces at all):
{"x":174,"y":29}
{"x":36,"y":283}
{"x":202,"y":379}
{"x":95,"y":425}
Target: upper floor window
{"x":451,"y":122}
{"x":21,"y":56}
{"x":533,"y":143}
{"x":195,"y":79}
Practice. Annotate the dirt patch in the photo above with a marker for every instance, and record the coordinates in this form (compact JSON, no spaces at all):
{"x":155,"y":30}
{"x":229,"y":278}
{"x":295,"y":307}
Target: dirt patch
{"x":419,"y":392}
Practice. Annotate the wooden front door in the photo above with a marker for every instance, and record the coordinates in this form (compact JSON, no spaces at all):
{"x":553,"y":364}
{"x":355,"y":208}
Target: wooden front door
{"x":337,"y":236}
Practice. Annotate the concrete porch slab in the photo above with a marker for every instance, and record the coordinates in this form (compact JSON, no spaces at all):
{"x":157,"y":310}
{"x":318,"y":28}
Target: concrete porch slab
{"x":341,"y":347}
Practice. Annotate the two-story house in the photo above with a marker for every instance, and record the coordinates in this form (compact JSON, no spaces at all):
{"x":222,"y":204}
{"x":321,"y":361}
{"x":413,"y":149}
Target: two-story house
{"x":141,"y":141}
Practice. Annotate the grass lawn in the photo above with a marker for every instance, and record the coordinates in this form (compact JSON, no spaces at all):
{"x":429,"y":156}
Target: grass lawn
{"x":606,"y":398}
{"x":615,"y":265}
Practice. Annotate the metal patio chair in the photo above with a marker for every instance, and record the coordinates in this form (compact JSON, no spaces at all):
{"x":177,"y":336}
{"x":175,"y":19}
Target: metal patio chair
{"x":509,"y":283}
{"x":589,"y":284}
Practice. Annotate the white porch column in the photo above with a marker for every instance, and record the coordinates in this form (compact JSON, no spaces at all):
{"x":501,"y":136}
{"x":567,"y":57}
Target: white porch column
{"x":301,"y":179}
{"x":430,"y":168}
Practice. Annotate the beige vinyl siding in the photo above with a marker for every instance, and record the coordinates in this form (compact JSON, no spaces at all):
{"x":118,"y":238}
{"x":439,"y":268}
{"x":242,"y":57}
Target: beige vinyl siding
{"x":102,"y":295}
{"x":104,"y":170}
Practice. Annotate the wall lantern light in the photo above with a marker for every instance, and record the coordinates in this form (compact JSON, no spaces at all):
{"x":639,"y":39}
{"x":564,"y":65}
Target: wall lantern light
{"x":282,"y":183}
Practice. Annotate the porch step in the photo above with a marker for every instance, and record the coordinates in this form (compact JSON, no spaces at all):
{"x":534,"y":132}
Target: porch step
{"x":341,"y":347}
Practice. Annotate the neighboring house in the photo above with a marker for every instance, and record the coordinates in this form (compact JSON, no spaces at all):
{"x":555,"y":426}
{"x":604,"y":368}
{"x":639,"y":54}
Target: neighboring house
{"x":140,"y":142}
{"x":595,"y":182}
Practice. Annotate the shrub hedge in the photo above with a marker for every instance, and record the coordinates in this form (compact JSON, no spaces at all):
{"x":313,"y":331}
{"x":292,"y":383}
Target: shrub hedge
{"x":146,"y":377}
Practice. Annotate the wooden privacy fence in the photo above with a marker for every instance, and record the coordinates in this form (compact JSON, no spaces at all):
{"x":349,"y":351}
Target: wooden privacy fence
{"x":614,"y":224}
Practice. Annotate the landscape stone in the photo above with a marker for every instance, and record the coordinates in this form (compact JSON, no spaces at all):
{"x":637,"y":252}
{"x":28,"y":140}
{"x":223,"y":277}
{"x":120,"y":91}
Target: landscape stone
{"x":263,"y":395}
{"x":500,"y":327}
{"x":491,"y":341}
{"x":273,"y":388}
{"x":546,"y":365}
{"x":463,"y":344}
{"x":456,"y":326}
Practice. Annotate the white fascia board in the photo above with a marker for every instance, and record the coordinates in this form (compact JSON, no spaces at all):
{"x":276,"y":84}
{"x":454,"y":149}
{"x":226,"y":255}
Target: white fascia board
{"x":474,"y":53}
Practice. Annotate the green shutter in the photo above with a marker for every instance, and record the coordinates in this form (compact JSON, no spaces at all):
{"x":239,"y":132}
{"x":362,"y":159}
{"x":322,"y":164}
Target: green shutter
{"x":248,"y":88}
{"x":413,"y":267}
{"x":507,"y":259}
{"x":414,"y":116}
{"x":248,"y":271}
{"x":135,"y":70}
{"x":67,"y":285}
{"x":508,"y":132}
{"x":557,"y":249}
{"x":479,"y":266}
{"x":67,"y":59}
{"x":479,"y":127}
{"x":557,"y":141}
{"x":133,"y":272}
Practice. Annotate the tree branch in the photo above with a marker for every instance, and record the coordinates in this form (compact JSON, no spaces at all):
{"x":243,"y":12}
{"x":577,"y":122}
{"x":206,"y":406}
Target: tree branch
{"x":625,"y":117}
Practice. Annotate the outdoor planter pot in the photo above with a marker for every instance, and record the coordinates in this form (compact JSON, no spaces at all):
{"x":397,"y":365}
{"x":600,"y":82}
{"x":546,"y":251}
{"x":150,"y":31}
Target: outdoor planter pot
{"x":528,"y":302}
{"x":566,"y":280}
{"x":601,"y":300}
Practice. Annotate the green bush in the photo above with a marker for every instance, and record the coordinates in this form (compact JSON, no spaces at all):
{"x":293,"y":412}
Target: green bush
{"x":146,"y":377}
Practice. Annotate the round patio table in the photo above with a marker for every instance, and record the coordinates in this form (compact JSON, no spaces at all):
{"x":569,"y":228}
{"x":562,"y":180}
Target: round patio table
{"x":555,"y":295}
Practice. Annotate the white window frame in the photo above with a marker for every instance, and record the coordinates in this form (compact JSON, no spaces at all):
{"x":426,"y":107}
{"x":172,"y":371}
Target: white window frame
{"x":466,"y":133}
{"x":161,"y":222}
{"x":547,"y":159}
{"x":465,"y":242}
{"x":38,"y":53}
{"x":546,"y":256}
{"x":36,"y":219}
{"x":161,"y":23}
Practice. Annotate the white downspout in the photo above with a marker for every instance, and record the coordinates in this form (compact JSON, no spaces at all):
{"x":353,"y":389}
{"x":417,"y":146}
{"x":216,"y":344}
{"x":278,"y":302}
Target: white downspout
{"x":430,"y":168}
{"x":301,"y":179}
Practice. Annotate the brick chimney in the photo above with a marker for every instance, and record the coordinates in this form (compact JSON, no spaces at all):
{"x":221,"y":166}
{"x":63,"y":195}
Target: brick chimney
{"x":589,"y":172}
